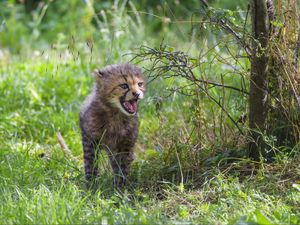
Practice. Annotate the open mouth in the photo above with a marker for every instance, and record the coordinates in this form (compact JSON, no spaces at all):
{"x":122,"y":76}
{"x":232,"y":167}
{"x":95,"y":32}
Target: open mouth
{"x":129,"y":106}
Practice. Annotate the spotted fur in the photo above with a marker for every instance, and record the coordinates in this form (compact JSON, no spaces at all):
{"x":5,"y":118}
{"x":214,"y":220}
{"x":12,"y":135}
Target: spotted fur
{"x":106,"y":123}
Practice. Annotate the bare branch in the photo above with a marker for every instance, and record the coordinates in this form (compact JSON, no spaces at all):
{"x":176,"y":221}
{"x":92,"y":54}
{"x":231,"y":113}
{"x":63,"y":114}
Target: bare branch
{"x":168,"y":64}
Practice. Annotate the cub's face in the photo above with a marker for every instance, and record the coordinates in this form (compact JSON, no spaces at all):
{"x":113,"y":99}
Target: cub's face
{"x":122,"y":86}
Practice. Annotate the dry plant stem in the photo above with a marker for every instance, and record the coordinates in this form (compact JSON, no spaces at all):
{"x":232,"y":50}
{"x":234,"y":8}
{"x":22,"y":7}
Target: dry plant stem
{"x":285,"y":62}
{"x":291,"y":79}
{"x":296,"y":63}
{"x":64,"y":146}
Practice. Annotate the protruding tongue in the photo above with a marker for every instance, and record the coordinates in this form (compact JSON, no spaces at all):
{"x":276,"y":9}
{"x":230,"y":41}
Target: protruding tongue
{"x":131,"y":105}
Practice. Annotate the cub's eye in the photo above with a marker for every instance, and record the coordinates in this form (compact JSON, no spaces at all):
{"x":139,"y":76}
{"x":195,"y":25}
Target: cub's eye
{"x":124,"y":86}
{"x":140,"y":84}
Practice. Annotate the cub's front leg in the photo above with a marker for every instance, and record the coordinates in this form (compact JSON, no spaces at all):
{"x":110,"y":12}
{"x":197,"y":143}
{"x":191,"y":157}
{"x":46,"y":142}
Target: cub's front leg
{"x":120,"y":163}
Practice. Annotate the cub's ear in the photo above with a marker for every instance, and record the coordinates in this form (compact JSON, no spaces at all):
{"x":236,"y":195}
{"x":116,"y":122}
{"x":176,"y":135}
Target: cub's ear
{"x":98,"y":73}
{"x":98,"y":76}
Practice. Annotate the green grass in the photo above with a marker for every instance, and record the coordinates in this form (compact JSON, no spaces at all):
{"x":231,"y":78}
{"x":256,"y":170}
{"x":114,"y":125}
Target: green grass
{"x":189,"y":167}
{"x":41,"y":185}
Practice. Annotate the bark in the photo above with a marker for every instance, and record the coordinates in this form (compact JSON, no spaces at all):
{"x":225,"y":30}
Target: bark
{"x":258,"y":82}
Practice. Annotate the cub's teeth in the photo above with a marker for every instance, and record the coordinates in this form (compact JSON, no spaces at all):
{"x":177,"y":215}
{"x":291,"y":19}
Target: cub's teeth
{"x":130,"y":106}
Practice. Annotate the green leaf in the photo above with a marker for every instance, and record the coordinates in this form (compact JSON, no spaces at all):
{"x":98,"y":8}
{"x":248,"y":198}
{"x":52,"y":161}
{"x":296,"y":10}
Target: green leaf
{"x":261,"y":218}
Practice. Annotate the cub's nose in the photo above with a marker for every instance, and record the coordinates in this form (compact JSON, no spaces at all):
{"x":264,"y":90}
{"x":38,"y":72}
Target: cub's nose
{"x":135,"y":94}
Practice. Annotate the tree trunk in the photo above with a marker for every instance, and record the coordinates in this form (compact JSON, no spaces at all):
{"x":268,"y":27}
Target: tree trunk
{"x":258,"y":82}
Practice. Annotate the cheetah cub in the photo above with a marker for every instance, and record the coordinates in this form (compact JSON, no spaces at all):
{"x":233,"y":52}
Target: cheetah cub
{"x":109,"y":121}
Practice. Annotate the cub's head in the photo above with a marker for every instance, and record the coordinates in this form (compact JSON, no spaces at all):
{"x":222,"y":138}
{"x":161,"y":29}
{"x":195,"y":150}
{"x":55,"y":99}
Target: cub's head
{"x":121,"y":86}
